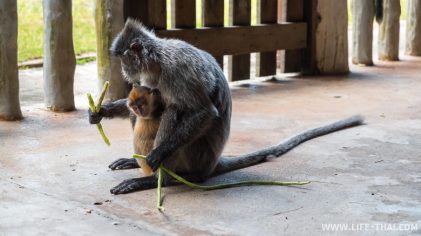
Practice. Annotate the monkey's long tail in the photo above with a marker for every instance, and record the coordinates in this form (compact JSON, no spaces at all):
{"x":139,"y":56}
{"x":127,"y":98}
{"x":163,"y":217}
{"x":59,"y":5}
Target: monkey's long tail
{"x":227,"y":164}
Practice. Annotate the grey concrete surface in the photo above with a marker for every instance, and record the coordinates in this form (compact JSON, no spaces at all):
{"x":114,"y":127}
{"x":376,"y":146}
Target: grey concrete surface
{"x":54,"y":165}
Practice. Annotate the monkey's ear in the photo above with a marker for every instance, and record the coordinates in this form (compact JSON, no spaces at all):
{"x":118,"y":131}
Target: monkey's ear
{"x":136,"y":45}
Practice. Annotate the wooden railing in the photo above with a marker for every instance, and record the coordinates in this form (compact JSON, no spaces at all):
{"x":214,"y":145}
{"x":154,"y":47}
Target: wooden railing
{"x":238,"y":40}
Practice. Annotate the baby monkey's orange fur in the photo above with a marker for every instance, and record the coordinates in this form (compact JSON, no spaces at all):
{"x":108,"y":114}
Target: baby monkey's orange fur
{"x":148,"y":106}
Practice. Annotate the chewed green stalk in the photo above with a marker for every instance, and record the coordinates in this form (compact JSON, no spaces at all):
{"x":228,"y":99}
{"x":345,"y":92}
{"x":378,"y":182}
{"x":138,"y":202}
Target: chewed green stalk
{"x":96,"y":109}
{"x":211,"y":187}
{"x":158,"y":195}
{"x":230,"y":185}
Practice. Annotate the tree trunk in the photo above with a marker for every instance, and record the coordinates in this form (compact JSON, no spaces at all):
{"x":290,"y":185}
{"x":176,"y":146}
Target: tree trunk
{"x":362,"y":31}
{"x":59,"y":55}
{"x":109,"y":20}
{"x":9,"y":81}
{"x":413,"y":28}
{"x":389,"y":31}
{"x":332,"y":37}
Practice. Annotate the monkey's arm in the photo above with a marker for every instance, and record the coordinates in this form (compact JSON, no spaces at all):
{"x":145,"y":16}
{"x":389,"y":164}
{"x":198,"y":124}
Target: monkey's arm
{"x":113,"y":109}
{"x":178,"y":128}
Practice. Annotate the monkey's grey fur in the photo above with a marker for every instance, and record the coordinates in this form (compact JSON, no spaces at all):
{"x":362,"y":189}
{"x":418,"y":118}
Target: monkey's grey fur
{"x":196,"y":122}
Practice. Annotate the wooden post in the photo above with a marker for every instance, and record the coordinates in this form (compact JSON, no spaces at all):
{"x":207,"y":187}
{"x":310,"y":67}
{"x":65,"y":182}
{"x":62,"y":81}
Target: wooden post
{"x":9,"y":82}
{"x":308,"y":59}
{"x":157,"y":17}
{"x":388,"y":42}
{"x":294,"y":12}
{"x":213,"y":16}
{"x":413,"y":28}
{"x":362,"y":31}
{"x":152,"y":13}
{"x":280,"y":56}
{"x":266,"y":61}
{"x":184,"y":14}
{"x":59,"y":55}
{"x":331,"y":52}
{"x":108,"y":22}
{"x":239,"y":65}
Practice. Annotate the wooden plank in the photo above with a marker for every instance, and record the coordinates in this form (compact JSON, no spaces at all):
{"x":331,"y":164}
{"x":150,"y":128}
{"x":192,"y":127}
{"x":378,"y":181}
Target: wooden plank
{"x":213,"y":16}
{"x":294,"y":13}
{"x":266,"y":61}
{"x":157,"y":14}
{"x":242,"y":39}
{"x":239,"y":65}
{"x":184,"y":14}
{"x":150,"y":12}
{"x":308,"y":62}
{"x":136,"y":9}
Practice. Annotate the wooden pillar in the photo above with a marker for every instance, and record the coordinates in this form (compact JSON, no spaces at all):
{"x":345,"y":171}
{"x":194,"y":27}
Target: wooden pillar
{"x":157,"y":17}
{"x":266,"y":61}
{"x":108,"y":22}
{"x":362,"y":31}
{"x":294,"y":12}
{"x":331,"y":38}
{"x":152,"y":13}
{"x":308,"y":59}
{"x":388,"y":42}
{"x":184,"y":14}
{"x":413,"y":28}
{"x":9,"y":81}
{"x":213,"y":16}
{"x":59,"y":55}
{"x":239,"y":65}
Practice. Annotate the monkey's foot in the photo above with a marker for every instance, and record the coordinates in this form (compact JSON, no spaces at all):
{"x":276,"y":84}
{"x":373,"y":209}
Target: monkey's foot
{"x":124,"y":163}
{"x":136,"y":184}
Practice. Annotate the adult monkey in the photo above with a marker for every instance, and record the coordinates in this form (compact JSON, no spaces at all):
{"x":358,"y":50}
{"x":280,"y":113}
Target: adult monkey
{"x":196,"y":122}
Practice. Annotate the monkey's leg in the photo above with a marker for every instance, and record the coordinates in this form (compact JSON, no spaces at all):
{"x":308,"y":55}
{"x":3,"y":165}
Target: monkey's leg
{"x":176,"y":129}
{"x":124,"y":163}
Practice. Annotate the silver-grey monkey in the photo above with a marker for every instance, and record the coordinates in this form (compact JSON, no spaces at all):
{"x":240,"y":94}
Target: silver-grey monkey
{"x":195,"y":124}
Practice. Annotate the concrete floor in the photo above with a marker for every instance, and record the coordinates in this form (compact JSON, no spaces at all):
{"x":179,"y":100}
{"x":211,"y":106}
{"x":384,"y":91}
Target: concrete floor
{"x":54,"y":178}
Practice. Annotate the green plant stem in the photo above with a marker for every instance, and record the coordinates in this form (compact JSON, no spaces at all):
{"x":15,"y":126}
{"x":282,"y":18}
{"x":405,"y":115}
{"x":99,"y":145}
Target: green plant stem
{"x":158,"y":195}
{"x":211,"y":187}
{"x":96,"y":109}
{"x":101,"y":98}
{"x":230,"y":185}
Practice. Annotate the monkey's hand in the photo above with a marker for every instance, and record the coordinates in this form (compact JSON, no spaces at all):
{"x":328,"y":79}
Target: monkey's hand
{"x":154,"y":159}
{"x":95,"y":117}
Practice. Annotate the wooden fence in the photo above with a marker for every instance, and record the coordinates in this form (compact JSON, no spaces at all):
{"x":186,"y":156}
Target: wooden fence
{"x":238,"y":40}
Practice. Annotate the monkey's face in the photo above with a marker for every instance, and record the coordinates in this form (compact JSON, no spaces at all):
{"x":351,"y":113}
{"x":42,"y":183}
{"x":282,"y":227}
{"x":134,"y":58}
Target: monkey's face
{"x":145,"y":102}
{"x":138,"y":101}
{"x":130,"y":65}
{"x":133,"y":45}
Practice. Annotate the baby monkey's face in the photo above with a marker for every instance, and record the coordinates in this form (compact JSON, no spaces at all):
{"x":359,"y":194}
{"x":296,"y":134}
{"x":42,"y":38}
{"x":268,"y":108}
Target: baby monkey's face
{"x":145,"y":102}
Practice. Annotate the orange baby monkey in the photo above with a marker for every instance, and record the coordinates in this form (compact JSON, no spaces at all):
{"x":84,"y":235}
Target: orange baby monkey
{"x":147,"y":105}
